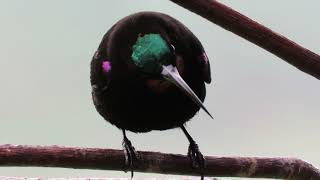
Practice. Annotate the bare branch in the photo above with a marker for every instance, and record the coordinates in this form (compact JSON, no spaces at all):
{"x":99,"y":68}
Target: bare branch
{"x":233,"y":21}
{"x":24,"y":178}
{"x":155,"y":162}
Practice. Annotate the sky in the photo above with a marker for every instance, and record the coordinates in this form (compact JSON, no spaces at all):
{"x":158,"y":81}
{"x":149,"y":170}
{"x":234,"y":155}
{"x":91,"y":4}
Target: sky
{"x":262,"y":105}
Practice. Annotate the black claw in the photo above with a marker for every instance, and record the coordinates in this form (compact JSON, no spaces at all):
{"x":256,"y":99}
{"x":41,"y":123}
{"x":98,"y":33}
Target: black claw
{"x":196,"y":157}
{"x":130,"y":155}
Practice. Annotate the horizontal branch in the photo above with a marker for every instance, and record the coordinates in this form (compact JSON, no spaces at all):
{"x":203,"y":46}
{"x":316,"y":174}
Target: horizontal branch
{"x":233,"y":21}
{"x":155,"y":162}
{"x":27,"y":178}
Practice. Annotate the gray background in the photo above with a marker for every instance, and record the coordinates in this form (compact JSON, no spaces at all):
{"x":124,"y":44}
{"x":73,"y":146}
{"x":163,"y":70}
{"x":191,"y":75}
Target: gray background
{"x":262,"y":106}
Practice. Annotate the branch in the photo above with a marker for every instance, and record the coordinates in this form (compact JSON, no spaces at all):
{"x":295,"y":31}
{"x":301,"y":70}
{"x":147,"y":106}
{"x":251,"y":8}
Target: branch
{"x":233,"y":21}
{"x":155,"y":162}
{"x":24,"y":178}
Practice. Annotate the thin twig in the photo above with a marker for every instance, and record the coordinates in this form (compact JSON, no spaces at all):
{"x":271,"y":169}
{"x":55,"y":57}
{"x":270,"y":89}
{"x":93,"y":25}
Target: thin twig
{"x":233,"y":21}
{"x":155,"y":162}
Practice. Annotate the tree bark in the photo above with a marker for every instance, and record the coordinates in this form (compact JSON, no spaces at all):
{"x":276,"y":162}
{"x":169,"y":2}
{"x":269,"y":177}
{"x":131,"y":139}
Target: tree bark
{"x":155,"y":162}
{"x":231,"y":20}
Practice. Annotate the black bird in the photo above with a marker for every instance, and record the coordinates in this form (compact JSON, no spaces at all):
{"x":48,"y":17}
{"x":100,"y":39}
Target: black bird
{"x":148,"y":74}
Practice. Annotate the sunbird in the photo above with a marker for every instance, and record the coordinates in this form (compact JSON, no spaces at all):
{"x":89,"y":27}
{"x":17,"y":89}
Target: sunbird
{"x":149,"y":73}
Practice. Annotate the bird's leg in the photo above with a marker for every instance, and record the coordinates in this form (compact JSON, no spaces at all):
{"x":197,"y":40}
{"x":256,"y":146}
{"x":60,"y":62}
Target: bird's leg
{"x":194,"y":153}
{"x":130,"y":153}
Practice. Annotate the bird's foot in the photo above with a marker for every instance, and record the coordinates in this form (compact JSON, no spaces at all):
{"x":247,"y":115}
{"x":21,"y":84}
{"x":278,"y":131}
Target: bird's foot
{"x":130,"y":155}
{"x":196,"y":157}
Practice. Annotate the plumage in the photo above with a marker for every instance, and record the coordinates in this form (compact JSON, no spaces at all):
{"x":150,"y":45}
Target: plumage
{"x":137,"y":101}
{"x":136,"y":96}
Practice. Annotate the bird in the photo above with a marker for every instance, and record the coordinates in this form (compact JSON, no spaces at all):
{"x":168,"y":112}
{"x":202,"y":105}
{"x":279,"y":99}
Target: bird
{"x":149,"y":73}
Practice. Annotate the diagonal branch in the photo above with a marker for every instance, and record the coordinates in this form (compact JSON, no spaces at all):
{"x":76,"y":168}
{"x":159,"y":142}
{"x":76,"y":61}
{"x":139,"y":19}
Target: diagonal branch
{"x":233,"y":21}
{"x":155,"y":162}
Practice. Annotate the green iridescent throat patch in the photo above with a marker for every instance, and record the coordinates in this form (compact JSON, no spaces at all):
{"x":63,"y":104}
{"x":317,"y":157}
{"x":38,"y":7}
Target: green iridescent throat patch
{"x":150,"y":52}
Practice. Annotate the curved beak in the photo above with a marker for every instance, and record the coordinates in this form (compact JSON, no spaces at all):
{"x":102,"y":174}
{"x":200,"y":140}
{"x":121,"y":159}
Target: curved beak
{"x":171,"y":73}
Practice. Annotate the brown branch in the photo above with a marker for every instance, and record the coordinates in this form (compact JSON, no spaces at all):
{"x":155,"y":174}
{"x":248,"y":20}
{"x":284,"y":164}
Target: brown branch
{"x":155,"y":162}
{"x":25,"y":178}
{"x":233,"y":21}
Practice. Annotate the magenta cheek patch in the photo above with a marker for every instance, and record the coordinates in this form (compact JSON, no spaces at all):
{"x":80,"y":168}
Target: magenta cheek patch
{"x":106,"y":66}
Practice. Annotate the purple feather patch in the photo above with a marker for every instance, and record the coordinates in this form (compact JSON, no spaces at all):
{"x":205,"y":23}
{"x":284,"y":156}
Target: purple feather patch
{"x":205,"y":58}
{"x":106,"y":66}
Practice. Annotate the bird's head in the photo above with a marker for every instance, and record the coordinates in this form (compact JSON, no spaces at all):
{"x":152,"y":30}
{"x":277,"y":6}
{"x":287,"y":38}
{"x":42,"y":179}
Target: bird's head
{"x":153,"y":55}
{"x":151,"y":52}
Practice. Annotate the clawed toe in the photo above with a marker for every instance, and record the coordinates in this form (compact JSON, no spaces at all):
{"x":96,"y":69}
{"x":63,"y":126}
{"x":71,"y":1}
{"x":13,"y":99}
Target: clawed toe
{"x":131,"y":157}
{"x":196,"y":156}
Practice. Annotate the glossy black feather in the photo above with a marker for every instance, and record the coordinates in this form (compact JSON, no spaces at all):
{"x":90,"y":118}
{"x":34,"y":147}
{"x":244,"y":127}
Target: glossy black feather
{"x":139,"y":102}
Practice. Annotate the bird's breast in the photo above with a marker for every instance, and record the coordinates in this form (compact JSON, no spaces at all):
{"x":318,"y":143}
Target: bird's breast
{"x":158,"y":86}
{"x":161,"y":86}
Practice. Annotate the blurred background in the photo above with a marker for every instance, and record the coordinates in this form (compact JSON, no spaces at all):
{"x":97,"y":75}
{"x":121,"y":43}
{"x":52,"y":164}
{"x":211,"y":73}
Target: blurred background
{"x":262,"y":106}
